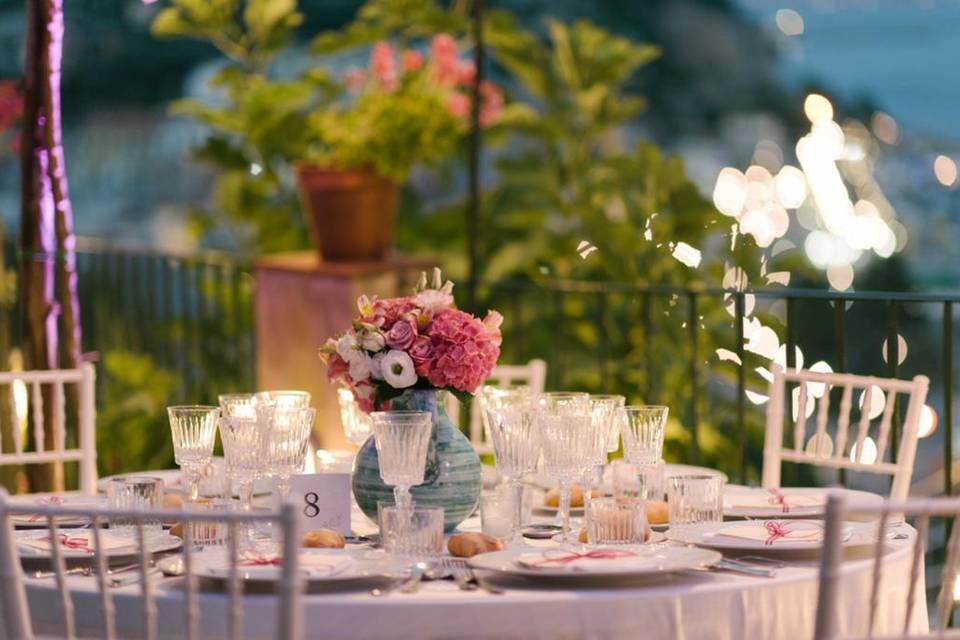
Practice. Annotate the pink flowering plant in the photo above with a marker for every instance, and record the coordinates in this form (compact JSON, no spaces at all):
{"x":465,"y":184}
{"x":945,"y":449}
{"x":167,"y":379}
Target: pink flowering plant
{"x":406,"y":107}
{"x":416,"y":342}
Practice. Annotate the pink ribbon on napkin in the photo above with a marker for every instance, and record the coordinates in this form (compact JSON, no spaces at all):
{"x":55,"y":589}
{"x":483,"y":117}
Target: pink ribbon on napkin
{"x":54,"y":500}
{"x":76,"y":543}
{"x":777,"y":498}
{"x":594,"y":554}
{"x":253,"y":559}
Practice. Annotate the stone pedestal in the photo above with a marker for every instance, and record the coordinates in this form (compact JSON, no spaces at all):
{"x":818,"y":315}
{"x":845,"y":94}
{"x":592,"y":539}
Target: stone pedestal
{"x":299,"y":303}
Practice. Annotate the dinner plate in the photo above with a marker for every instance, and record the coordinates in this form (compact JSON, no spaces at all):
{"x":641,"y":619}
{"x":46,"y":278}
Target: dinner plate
{"x":855,"y":534}
{"x":163,"y":542}
{"x":576,"y":512}
{"x":37,"y":521}
{"x":775,"y":509}
{"x":648,"y":560}
{"x":316,"y":565}
{"x":670,"y":469}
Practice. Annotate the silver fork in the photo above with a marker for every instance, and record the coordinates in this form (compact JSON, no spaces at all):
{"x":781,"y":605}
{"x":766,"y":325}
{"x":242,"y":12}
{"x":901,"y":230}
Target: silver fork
{"x":465,"y":576}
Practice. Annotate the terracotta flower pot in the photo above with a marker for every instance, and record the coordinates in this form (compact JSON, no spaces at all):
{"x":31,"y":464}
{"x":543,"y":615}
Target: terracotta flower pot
{"x":350,"y":214}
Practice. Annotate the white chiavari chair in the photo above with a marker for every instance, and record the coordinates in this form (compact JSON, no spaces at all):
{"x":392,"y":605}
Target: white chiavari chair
{"x":15,"y":612}
{"x":843,"y":450}
{"x":890,"y":613}
{"x":532,"y":374}
{"x":25,"y":392}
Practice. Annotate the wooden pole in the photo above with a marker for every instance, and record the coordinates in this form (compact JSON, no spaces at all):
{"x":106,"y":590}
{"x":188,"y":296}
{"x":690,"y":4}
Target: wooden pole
{"x":46,"y":222}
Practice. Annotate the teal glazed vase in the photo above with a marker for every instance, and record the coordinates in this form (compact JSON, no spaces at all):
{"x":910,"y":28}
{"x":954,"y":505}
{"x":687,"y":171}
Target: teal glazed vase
{"x":452,"y":474}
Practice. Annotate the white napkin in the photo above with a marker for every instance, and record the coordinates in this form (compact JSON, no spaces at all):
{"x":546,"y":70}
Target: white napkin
{"x":770,"y":500}
{"x":75,"y":540}
{"x":569,"y":560}
{"x":774,"y":531}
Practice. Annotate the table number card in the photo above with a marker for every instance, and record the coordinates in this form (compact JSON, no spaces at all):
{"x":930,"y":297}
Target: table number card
{"x":323,"y":500}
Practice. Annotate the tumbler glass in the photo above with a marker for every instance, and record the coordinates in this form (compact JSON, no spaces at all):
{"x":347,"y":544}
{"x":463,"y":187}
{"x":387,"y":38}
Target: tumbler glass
{"x":694,"y":499}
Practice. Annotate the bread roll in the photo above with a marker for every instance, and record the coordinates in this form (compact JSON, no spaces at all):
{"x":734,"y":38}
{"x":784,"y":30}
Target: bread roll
{"x":323,"y":539}
{"x":552,"y":499}
{"x":657,"y":512}
{"x":466,"y":545}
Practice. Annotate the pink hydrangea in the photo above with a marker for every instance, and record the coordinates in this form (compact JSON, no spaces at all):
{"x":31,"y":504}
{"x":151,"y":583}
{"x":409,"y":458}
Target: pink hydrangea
{"x":465,"y":350}
{"x":383,"y":66}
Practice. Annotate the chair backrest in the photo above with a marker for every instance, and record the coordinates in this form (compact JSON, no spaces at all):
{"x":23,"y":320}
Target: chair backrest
{"x":13,"y":600}
{"x":533,"y":374}
{"x":844,"y":450}
{"x":33,"y":394}
{"x":887,"y":593}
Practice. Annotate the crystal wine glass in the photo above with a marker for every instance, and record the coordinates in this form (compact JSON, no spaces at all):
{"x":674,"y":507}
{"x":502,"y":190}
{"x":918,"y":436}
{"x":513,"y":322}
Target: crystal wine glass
{"x":603,"y":410}
{"x":402,"y":438}
{"x":285,"y":432}
{"x":565,"y":428}
{"x":287,"y":398}
{"x":516,"y":448}
{"x":643,"y":428}
{"x":357,"y":425}
{"x":243,"y":450}
{"x":194,"y":430}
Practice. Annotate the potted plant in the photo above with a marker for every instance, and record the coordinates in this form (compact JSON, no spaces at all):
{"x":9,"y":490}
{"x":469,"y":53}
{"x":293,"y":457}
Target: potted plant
{"x":351,"y":138}
{"x":401,"y":111}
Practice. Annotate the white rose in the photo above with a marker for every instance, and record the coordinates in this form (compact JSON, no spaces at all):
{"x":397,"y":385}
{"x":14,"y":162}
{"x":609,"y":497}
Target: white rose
{"x":360,"y":367}
{"x":398,"y":371}
{"x":372,"y":340}
{"x":347,"y":347}
{"x":376,"y":366}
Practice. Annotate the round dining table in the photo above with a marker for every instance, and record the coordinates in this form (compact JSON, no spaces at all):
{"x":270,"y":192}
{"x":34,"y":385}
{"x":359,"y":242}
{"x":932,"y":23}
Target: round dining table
{"x":690,"y":605}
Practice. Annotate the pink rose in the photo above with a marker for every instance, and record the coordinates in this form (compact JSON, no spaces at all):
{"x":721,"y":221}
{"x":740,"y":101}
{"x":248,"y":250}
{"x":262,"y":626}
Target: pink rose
{"x":411,"y":60}
{"x":383,"y":66}
{"x":422,"y":354}
{"x":401,"y":335}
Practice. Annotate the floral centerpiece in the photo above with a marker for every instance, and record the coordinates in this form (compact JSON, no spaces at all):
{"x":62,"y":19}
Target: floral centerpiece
{"x":404,"y":354}
{"x":416,"y":342}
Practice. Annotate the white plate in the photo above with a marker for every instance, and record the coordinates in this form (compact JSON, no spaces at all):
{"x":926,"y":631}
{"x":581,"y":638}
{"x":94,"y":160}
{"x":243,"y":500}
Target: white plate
{"x":575,"y":512}
{"x":670,"y":470}
{"x":164,"y":542}
{"x":654,"y":559}
{"x":855,"y":534}
{"x":213,"y":563}
{"x":37,"y":522}
{"x":854,"y":499}
{"x":211,"y":486}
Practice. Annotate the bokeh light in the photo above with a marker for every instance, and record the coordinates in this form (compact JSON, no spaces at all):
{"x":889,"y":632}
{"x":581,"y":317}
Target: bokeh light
{"x":945,"y":170}
{"x":869,"y":454}
{"x":901,"y":349}
{"x":818,"y":108}
{"x":928,"y":421}
{"x":789,"y":22}
{"x":885,"y":128}
{"x":877,"y":401}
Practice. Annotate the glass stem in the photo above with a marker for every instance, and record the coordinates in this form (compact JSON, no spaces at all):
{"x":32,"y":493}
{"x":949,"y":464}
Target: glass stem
{"x":192,"y":474}
{"x":283,"y":489}
{"x":245,"y":491}
{"x":402,"y":498}
{"x":516,"y":535}
{"x":565,"y":511}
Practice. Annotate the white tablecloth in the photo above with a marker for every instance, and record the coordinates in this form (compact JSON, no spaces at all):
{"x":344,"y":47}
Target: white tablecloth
{"x":710,"y":605}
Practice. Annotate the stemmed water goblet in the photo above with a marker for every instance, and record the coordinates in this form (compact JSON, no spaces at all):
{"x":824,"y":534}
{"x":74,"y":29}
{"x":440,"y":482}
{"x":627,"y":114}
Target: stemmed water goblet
{"x":512,"y":427}
{"x":357,"y":425}
{"x":284,"y":434}
{"x":642,"y":428}
{"x":243,"y":436}
{"x":194,"y":430}
{"x":565,"y":428}
{"x":286,"y":398}
{"x":402,"y":439}
{"x":603,"y":410}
